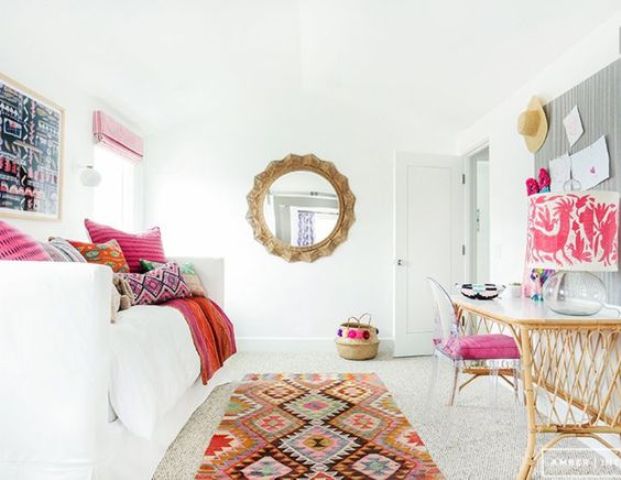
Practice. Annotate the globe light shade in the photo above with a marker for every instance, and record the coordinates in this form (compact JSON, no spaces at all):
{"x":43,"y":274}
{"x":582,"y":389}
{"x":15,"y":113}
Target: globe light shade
{"x":90,"y":177}
{"x":574,"y":293}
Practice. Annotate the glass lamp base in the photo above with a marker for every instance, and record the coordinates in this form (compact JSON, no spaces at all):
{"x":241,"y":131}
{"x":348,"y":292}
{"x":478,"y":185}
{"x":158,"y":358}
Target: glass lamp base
{"x":574,"y":293}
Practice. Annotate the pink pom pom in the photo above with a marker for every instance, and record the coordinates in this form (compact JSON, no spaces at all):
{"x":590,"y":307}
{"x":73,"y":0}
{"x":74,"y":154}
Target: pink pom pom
{"x":351,"y":334}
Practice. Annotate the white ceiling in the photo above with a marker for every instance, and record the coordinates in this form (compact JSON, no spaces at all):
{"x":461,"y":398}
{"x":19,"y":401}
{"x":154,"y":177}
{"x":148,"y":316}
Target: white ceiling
{"x":166,"y":62}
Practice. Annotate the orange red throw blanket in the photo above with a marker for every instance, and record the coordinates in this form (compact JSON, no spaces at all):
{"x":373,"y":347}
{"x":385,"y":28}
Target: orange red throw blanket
{"x":212,"y":332}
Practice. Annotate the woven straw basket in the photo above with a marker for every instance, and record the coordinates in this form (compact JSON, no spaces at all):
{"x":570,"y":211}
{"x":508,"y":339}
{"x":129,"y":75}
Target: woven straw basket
{"x":356,"y":341}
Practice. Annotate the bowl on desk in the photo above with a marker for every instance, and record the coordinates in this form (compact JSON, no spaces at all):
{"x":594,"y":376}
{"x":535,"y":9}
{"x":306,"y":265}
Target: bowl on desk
{"x":481,"y":291}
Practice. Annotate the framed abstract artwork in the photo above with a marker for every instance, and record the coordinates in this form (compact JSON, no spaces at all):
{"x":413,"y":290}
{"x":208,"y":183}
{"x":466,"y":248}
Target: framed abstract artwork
{"x":31,"y":153}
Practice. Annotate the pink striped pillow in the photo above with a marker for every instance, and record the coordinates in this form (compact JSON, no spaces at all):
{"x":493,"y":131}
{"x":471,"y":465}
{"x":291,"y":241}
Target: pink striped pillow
{"x":134,"y":245}
{"x":16,"y":245}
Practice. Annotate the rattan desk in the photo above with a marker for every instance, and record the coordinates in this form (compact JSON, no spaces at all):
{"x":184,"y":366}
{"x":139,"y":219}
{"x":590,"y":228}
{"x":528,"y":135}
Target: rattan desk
{"x":565,"y":361}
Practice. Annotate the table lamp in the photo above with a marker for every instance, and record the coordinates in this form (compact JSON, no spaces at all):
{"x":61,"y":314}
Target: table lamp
{"x":574,"y":233}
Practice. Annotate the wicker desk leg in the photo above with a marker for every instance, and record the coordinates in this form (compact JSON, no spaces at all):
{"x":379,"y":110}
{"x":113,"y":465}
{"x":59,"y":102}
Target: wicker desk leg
{"x":528,"y":462}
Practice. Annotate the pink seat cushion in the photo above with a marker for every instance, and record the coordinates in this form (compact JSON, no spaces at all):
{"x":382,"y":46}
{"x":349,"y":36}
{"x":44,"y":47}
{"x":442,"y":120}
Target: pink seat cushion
{"x":135,"y":246}
{"x":16,"y":245}
{"x":493,"y":346}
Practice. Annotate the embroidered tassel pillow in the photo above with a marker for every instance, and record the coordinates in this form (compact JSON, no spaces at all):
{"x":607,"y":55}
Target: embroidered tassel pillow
{"x":16,"y":245}
{"x":157,"y":286}
{"x":108,"y":253}
{"x":134,"y":245}
{"x":188,"y":273}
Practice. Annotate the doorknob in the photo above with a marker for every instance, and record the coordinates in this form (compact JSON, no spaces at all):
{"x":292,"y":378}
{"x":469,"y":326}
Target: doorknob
{"x":400,"y":262}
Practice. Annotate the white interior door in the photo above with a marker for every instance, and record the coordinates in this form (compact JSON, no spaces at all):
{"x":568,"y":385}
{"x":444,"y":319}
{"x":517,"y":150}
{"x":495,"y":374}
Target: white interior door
{"x":429,"y":238}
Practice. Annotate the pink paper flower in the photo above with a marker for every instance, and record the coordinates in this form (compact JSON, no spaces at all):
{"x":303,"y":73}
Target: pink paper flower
{"x":532,"y":186}
{"x":544,"y":178}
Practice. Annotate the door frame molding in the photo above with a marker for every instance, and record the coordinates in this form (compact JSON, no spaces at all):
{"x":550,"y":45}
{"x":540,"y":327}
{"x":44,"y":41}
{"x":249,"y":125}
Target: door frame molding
{"x":470,"y":200}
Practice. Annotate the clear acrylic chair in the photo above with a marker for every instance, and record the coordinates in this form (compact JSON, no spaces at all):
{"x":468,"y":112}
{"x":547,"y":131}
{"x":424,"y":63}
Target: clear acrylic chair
{"x":492,"y":355}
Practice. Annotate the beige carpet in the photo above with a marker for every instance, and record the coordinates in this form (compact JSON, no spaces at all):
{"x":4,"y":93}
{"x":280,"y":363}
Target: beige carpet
{"x":470,"y":441}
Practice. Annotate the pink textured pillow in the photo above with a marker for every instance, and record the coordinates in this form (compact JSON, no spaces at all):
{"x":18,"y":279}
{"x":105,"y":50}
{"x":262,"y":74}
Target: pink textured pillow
{"x":134,"y":245}
{"x":157,"y":286}
{"x":16,"y":245}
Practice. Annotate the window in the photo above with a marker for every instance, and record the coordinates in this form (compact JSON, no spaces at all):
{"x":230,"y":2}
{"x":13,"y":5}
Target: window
{"x":114,"y":201}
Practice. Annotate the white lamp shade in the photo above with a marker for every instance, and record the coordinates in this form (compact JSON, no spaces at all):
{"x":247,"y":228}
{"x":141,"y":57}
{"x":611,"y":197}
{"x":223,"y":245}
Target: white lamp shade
{"x":90,"y":177}
{"x":575,"y":231}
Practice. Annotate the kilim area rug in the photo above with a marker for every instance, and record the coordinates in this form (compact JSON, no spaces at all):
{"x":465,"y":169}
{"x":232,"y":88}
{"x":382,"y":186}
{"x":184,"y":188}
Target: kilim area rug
{"x":315,"y":426}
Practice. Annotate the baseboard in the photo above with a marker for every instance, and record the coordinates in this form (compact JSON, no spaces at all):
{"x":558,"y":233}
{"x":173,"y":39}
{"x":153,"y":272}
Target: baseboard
{"x":297,"y":344}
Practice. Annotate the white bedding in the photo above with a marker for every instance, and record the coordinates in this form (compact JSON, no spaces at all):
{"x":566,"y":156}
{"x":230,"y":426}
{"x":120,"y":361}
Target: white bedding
{"x":154,"y":362}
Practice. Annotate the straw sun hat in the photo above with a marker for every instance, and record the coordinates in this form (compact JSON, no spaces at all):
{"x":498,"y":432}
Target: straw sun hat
{"x":533,"y":125}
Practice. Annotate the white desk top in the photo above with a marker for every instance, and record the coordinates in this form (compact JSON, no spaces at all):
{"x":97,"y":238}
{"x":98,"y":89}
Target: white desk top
{"x":526,"y":311}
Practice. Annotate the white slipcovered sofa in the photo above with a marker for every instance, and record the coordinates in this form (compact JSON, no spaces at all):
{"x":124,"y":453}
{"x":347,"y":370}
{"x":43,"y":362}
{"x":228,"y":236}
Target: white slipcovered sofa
{"x":60,"y":359}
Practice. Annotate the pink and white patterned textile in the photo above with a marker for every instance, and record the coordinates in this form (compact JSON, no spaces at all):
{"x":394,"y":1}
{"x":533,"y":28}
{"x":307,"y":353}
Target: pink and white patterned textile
{"x":573,"y":231}
{"x":16,"y":245}
{"x":60,"y":250}
{"x":157,"y":286}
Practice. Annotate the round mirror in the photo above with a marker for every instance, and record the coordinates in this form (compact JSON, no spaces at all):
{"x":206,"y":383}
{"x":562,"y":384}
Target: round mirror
{"x":301,"y":208}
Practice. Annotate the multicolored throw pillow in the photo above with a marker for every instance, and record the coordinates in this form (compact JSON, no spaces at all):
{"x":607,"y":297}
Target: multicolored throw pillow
{"x":16,"y":245}
{"x":158,"y":286}
{"x":60,"y":250}
{"x":188,"y":273}
{"x":108,"y":253}
{"x":134,"y":245}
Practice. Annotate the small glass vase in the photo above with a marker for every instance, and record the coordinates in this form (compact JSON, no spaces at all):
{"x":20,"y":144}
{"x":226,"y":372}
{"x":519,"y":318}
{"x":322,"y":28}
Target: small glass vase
{"x":574,"y":293}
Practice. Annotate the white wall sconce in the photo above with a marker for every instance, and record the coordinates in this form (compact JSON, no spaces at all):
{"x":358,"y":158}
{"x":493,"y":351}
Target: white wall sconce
{"x":89,"y":177}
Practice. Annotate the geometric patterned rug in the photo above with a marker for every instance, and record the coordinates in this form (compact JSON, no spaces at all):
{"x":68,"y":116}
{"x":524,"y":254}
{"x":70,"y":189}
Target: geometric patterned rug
{"x":315,"y":427}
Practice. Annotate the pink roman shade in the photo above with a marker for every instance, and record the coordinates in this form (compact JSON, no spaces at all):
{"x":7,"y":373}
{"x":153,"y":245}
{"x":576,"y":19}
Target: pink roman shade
{"x":116,"y":136}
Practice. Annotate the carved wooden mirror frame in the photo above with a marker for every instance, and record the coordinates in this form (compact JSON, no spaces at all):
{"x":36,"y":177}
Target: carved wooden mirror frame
{"x":295,"y":163}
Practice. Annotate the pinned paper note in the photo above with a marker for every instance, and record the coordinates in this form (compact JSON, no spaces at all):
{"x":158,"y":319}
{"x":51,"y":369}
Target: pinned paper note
{"x":573,"y":126}
{"x":591,"y":166}
{"x":560,"y":173}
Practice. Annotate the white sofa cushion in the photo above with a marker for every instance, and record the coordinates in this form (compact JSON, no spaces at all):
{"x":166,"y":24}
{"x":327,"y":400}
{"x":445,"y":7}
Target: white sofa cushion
{"x":154,"y":362}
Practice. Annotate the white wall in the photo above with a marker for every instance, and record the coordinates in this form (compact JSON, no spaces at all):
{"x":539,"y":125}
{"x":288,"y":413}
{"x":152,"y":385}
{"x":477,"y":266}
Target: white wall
{"x":302,"y":182}
{"x":77,"y":200}
{"x":196,"y":181}
{"x":510,"y":161}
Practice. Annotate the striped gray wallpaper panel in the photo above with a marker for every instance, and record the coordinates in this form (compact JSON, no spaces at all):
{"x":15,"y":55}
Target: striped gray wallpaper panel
{"x":599,"y":101}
